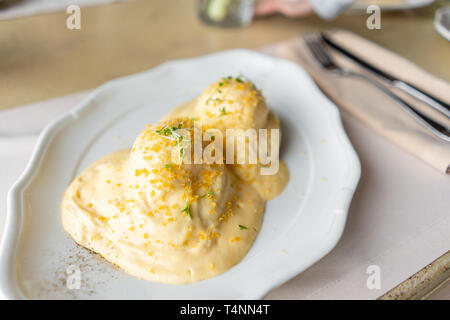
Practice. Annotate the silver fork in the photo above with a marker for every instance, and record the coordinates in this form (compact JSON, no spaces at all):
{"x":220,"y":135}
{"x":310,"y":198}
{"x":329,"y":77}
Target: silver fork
{"x":316,"y":46}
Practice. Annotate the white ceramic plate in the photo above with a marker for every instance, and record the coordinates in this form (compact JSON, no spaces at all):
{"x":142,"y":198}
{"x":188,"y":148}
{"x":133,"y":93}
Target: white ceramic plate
{"x":394,"y":5}
{"x":300,"y":226}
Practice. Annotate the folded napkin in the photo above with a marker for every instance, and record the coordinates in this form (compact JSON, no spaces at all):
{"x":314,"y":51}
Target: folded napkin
{"x":369,"y":104}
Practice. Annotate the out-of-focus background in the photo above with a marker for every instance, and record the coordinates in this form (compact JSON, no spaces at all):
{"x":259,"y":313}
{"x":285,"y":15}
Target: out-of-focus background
{"x":40,"y":58}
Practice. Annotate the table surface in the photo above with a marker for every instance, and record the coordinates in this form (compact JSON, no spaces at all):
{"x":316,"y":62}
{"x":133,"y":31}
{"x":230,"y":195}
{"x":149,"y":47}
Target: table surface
{"x":40,"y":58}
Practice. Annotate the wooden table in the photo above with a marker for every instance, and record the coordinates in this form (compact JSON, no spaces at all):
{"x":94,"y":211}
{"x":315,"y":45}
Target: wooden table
{"x":40,"y":58}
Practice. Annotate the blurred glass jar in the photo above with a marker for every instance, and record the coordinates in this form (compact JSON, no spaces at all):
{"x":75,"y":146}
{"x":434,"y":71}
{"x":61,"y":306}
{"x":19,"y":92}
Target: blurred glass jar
{"x":226,"y":13}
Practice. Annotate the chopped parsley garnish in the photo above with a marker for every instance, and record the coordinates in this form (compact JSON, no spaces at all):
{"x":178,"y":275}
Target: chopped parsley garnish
{"x":166,"y":131}
{"x":242,"y":227}
{"x":187,"y":209}
{"x":223,"y":111}
{"x":170,"y":133}
{"x":169,"y":166}
{"x":238,"y":79}
{"x":215,"y":100}
{"x":204,"y":195}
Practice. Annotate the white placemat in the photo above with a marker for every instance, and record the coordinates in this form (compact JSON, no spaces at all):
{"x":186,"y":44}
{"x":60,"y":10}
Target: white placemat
{"x":20,"y":8}
{"x":398,"y":220}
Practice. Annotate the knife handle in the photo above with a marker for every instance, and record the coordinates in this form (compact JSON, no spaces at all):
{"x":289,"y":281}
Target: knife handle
{"x":434,"y":127}
{"x":433,"y":102}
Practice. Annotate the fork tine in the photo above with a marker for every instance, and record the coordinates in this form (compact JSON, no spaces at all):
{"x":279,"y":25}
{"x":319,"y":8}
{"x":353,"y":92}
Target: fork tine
{"x":310,"y":43}
{"x":314,"y":43}
{"x":321,"y":50}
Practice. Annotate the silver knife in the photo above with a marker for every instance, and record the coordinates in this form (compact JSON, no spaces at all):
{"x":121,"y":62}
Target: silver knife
{"x":410,"y":89}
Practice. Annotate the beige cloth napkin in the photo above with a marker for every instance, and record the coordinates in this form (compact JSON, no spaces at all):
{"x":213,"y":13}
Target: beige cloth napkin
{"x":370,"y":105}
